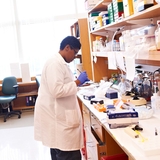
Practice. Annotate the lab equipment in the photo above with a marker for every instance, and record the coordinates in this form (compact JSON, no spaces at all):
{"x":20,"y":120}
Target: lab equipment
{"x":122,"y":118}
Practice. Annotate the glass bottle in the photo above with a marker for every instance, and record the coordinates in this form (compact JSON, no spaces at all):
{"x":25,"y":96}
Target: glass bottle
{"x":157,"y":36}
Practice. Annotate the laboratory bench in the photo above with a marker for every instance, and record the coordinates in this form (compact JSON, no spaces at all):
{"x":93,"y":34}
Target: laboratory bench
{"x":117,"y":141}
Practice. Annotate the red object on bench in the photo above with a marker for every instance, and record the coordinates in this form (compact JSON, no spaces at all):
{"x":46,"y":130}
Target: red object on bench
{"x":115,"y":157}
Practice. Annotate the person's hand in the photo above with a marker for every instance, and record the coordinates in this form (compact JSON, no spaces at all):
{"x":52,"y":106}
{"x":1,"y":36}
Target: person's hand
{"x":83,"y":77}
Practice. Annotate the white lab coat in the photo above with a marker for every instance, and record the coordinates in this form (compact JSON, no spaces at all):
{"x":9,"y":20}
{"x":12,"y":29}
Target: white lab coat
{"x":57,"y":117}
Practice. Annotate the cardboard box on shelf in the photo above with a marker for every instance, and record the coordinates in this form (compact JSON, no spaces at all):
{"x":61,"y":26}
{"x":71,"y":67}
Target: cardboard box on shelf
{"x":89,"y":4}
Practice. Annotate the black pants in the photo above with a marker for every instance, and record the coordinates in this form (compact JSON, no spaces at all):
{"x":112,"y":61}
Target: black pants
{"x":57,"y":154}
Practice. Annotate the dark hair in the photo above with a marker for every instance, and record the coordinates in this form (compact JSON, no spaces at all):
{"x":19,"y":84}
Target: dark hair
{"x":72,"y":41}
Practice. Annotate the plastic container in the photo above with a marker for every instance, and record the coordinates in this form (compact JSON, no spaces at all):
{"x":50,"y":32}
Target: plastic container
{"x":157,"y":36}
{"x":155,"y":103}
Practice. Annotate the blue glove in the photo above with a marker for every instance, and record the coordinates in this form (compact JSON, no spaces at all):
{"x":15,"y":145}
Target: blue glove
{"x":83,"y":77}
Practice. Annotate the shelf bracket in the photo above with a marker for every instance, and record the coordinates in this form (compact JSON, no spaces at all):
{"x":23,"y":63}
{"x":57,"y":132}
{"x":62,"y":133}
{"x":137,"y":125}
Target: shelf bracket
{"x":142,"y":22}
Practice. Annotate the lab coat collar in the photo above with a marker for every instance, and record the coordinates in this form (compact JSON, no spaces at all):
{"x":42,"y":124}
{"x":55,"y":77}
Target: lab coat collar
{"x":60,"y":58}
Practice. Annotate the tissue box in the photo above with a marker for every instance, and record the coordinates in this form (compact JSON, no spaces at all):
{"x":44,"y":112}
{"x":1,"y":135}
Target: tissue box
{"x":111,"y":94}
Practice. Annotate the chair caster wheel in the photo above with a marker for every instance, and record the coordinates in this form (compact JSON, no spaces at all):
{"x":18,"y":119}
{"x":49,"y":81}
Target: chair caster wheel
{"x":19,"y":116}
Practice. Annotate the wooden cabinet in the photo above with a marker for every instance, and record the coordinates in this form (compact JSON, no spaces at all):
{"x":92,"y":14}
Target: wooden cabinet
{"x":98,"y":141}
{"x":82,"y":34}
{"x":95,"y":148}
{"x":100,"y":68}
{"x":97,"y":128}
{"x":25,"y":91}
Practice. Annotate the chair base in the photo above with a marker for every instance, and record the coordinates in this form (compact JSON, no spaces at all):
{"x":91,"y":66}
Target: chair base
{"x":12,"y":113}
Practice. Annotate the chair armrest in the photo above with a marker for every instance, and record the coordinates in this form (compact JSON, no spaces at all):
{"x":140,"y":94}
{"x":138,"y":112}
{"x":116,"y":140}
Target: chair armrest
{"x":16,"y":89}
{"x":15,"y":86}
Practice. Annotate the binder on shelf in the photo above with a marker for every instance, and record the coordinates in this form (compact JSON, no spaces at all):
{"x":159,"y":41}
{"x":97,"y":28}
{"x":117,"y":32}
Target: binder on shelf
{"x":30,"y":100}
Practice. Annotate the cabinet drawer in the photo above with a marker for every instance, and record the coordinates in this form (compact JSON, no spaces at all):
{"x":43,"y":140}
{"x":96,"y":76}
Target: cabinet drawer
{"x":86,"y":116}
{"x":97,"y":127}
{"x":94,"y":150}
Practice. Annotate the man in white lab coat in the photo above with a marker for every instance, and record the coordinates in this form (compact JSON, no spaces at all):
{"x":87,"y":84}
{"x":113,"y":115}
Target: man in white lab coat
{"x":57,"y":118}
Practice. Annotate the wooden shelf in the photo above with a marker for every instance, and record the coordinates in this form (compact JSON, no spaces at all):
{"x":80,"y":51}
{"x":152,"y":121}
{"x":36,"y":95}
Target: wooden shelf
{"x":24,"y":90}
{"x":75,"y":30}
{"x":151,"y":58}
{"x":151,"y":12}
{"x":22,"y":84}
{"x":32,"y":93}
{"x":26,"y":83}
{"x":82,"y":25}
{"x":100,"y":6}
{"x":23,"y":108}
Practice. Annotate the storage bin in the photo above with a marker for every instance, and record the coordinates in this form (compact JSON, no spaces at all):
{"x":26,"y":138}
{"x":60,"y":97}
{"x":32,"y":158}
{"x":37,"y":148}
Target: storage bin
{"x":115,"y":157}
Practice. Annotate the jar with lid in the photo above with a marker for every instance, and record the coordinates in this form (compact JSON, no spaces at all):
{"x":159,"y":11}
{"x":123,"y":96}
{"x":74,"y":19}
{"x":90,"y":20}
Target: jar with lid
{"x":157,"y":36}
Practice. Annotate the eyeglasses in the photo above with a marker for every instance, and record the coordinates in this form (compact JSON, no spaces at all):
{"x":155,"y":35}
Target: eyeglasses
{"x":75,"y":51}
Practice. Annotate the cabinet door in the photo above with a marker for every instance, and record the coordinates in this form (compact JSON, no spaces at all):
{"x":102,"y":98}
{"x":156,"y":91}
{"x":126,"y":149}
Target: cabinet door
{"x":97,"y":127}
{"x":85,"y":49}
{"x":86,"y":116}
{"x":94,"y":150}
{"x":91,"y":145}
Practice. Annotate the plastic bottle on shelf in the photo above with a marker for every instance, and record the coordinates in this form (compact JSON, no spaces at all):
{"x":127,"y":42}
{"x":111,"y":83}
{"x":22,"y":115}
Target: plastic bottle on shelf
{"x":97,"y":44}
{"x":157,"y":36}
{"x":155,"y":103}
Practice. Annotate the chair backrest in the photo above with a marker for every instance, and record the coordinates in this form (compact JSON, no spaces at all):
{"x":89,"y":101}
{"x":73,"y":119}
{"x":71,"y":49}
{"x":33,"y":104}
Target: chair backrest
{"x":38,"y":80}
{"x":7,"y":85}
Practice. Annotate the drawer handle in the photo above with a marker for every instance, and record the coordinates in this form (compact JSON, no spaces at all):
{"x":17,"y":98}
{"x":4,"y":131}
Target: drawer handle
{"x":94,"y":127}
{"x":91,"y":145}
{"x":89,"y":142}
{"x":84,"y":112}
{"x":93,"y":117}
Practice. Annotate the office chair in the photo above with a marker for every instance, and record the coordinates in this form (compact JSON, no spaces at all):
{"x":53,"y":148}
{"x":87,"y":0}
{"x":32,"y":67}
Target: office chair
{"x":9,"y":90}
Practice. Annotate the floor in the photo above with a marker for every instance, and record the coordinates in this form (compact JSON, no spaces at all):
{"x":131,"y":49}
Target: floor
{"x":17,"y":142}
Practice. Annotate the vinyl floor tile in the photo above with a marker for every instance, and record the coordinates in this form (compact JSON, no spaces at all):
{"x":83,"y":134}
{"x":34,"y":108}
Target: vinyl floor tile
{"x":17,"y":139}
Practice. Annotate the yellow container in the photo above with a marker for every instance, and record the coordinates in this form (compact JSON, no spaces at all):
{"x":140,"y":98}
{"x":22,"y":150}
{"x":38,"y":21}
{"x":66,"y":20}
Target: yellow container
{"x":99,"y":23}
{"x":117,"y":1}
{"x":98,"y":18}
{"x":128,"y":7}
